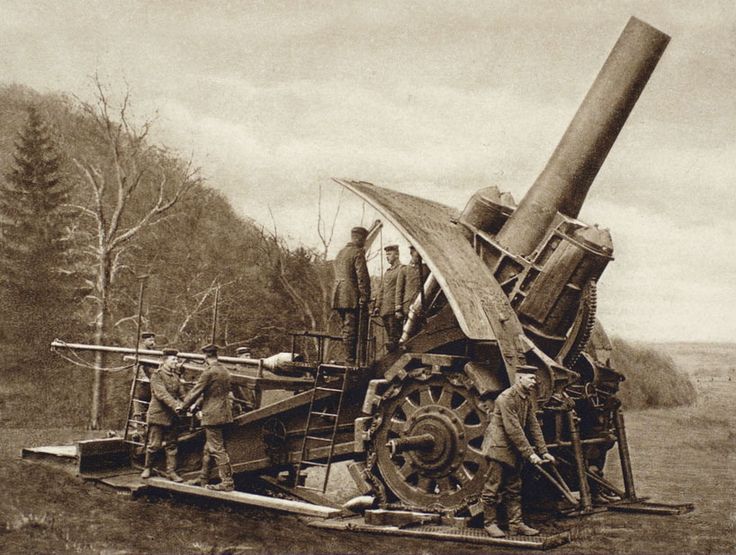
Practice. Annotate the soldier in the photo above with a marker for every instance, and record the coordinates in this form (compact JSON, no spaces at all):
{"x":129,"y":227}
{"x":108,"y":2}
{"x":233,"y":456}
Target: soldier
{"x":388,"y":303}
{"x":506,"y":445}
{"x":166,"y":394}
{"x":141,"y":390}
{"x":410,"y":281}
{"x":213,"y":386}
{"x":352,"y":289}
{"x":148,"y":341}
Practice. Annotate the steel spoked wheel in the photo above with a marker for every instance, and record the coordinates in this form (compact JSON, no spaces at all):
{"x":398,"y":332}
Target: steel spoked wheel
{"x":428,"y":444}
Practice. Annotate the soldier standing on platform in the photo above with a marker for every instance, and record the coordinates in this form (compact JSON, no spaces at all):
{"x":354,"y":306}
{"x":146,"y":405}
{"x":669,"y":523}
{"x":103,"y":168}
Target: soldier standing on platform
{"x":352,"y":289}
{"x":410,"y":281}
{"x":214,"y":387}
{"x":506,"y":445}
{"x":166,"y":394}
{"x":141,"y":390}
{"x":388,"y":302}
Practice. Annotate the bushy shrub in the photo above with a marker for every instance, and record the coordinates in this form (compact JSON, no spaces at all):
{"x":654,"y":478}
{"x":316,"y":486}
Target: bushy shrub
{"x":652,"y":378}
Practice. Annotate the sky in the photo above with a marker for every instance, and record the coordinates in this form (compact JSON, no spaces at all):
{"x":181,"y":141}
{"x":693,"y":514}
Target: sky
{"x":437,"y":99}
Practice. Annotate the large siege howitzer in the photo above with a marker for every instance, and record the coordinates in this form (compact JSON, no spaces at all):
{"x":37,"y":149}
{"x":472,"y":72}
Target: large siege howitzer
{"x":510,"y":287}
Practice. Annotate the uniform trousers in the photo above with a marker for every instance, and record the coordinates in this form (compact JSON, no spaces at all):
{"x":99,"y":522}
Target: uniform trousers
{"x":157,"y":435}
{"x":503,"y":482}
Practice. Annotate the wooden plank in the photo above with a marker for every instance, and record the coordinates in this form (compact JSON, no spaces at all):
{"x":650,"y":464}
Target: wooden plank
{"x":250,"y":499}
{"x":58,"y":451}
{"x":101,"y":446}
{"x":305,"y":494}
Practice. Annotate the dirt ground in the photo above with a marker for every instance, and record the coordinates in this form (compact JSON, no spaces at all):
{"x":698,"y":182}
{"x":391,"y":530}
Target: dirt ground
{"x":686,"y":454}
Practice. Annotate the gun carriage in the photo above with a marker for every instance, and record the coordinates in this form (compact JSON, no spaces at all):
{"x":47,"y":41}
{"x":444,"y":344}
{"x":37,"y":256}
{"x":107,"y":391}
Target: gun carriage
{"x":510,"y":287}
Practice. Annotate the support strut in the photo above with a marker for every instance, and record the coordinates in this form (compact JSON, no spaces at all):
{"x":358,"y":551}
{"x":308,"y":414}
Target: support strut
{"x":577,"y":446}
{"x":623,"y":452}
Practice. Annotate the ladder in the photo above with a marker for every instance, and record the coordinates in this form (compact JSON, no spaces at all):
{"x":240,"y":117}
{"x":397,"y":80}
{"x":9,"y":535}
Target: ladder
{"x":132,"y":423}
{"x":331,"y":378}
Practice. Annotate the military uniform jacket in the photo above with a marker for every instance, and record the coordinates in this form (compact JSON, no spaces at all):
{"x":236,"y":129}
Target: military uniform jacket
{"x":409,"y":284}
{"x":166,"y":393}
{"x":388,"y":301}
{"x":352,"y":283}
{"x":213,"y":386}
{"x":513,"y":417}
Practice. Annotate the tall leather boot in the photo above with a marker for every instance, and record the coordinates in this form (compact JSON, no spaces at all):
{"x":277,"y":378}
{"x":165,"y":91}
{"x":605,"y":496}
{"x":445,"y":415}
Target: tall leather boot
{"x":147,"y":466}
{"x":204,"y":474}
{"x":171,"y":467}
{"x":516,"y":524}
{"x":489,"y":523}
{"x":226,"y":479}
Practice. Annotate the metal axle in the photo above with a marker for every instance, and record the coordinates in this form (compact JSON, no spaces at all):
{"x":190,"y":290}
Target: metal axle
{"x":421,"y":442}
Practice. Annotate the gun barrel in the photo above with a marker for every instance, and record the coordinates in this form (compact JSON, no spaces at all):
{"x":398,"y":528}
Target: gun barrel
{"x":565,"y":180}
{"x":58,"y":344}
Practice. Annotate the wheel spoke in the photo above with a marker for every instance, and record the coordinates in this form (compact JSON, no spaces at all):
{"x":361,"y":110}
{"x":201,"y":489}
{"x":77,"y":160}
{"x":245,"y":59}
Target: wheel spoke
{"x":473,"y":456}
{"x":406,"y":470}
{"x":445,"y":398}
{"x":397,"y":425}
{"x":473,"y":431}
{"x":462,"y":475}
{"x":463,"y":410}
{"x":425,"y":397}
{"x":423,"y":484}
{"x":409,"y":407}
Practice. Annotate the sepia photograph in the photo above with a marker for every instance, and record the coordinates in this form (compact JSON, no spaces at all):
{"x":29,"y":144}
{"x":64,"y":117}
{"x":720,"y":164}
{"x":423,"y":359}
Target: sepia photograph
{"x":341,"y":277}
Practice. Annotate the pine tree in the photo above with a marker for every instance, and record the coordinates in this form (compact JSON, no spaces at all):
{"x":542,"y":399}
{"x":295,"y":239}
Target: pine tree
{"x":37,"y":286}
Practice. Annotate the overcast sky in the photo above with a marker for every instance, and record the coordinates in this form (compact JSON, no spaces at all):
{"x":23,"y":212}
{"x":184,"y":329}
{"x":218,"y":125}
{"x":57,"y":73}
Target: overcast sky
{"x":431,"y":98}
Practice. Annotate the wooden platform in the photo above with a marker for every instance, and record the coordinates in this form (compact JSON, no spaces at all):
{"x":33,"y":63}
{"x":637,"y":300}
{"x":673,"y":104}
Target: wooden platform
{"x":250,"y":499}
{"x":445,"y":533}
{"x":60,"y":453}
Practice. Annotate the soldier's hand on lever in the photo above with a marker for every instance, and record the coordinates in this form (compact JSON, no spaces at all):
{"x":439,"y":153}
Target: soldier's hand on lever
{"x":179,"y":408}
{"x":535,"y":459}
{"x":549,"y":458}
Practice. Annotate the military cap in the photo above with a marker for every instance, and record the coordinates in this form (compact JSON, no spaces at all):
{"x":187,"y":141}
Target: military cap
{"x":210,"y":349}
{"x":526,"y":370}
{"x":390,"y":248}
{"x":240,"y":351}
{"x":363,"y":232}
{"x":170,"y":352}
{"x":147,"y":334}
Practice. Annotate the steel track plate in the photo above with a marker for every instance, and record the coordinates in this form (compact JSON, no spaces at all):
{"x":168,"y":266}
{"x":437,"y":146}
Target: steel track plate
{"x":445,"y":533}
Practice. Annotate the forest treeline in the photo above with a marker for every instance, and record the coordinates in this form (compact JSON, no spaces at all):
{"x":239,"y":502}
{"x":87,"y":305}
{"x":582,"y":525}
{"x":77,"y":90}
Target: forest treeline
{"x":89,"y":205}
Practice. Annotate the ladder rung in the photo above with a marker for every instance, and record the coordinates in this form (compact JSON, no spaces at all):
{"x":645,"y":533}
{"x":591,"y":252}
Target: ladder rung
{"x":141,"y":401}
{"x":328,"y":389}
{"x":144,"y":380}
{"x":133,"y":442}
{"x":311,"y":463}
{"x":316,"y":438}
{"x":311,"y":488}
{"x":327,"y":414}
{"x":140,"y":422}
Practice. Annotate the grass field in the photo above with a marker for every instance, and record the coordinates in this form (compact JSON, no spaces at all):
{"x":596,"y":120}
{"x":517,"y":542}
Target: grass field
{"x":682,"y":454}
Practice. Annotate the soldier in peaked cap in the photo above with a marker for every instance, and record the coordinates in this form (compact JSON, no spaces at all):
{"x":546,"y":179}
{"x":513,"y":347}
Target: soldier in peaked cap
{"x":213,"y":386}
{"x":388,"y":301}
{"x":506,"y":445}
{"x":166,"y":394}
{"x":352,"y":289}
